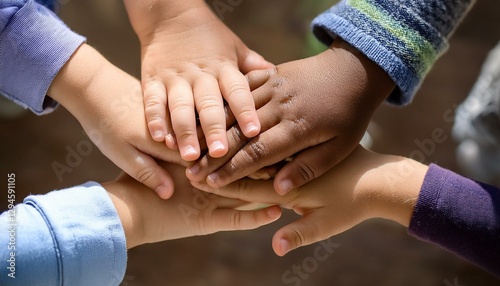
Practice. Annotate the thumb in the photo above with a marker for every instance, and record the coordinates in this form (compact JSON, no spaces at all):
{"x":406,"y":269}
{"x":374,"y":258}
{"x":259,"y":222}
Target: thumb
{"x":250,"y":60}
{"x":301,"y":232}
{"x":145,"y":170}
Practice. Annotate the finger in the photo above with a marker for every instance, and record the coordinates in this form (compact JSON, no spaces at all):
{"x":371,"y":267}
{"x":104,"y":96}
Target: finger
{"x":268,"y":172}
{"x":237,"y":140}
{"x":227,"y":203}
{"x":304,"y":231}
{"x":261,"y":96}
{"x":310,"y":164}
{"x":248,"y":190}
{"x":270,"y":147}
{"x":170,"y":139}
{"x":230,"y":219}
{"x":210,"y":107}
{"x":258,"y":78}
{"x":182,"y":112}
{"x":250,"y":60}
{"x":236,"y":91}
{"x":144,"y":169}
{"x":155,"y":102}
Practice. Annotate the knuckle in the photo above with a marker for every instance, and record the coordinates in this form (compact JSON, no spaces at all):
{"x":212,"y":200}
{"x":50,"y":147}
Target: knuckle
{"x":235,"y":220}
{"x":278,"y":82}
{"x":242,"y":188}
{"x":155,"y":123}
{"x":153,"y":112}
{"x":185,"y":134}
{"x":145,"y":175}
{"x":246,"y":112}
{"x":209,"y":103}
{"x":237,"y":89}
{"x":307,"y":171}
{"x":215,"y":130}
{"x":181,"y":105}
{"x":298,"y":126}
{"x":236,"y":136}
{"x":299,"y":237}
{"x":255,"y":150}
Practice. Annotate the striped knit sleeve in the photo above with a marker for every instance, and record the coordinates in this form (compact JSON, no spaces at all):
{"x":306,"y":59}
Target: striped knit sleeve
{"x":404,"y":37}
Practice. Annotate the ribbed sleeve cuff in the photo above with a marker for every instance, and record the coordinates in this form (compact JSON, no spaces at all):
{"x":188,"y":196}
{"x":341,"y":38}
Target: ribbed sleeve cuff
{"x":396,"y":35}
{"x":328,"y":26}
{"x":33,"y":48}
{"x":87,"y":233}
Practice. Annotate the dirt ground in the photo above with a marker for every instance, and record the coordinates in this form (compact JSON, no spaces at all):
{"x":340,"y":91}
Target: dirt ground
{"x":373,"y":253}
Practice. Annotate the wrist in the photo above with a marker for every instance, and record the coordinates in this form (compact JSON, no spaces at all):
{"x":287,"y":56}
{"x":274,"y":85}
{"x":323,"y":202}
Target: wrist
{"x":394,"y":187}
{"x":375,"y":83}
{"x":151,"y":17}
{"x":76,"y":77}
{"x":127,"y":206}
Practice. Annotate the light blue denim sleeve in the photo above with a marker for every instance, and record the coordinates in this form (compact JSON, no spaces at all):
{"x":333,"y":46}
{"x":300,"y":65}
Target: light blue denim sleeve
{"x":34,"y":45}
{"x":68,"y":237}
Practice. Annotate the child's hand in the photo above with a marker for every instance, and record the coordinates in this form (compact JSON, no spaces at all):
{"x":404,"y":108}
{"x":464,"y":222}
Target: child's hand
{"x":108,"y":104}
{"x":190,"y":62}
{"x":365,"y":185}
{"x":314,"y":109}
{"x":189,"y":212}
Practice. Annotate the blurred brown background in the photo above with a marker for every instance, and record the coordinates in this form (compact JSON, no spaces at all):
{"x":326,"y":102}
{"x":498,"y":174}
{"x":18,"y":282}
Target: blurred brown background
{"x":374,"y":253}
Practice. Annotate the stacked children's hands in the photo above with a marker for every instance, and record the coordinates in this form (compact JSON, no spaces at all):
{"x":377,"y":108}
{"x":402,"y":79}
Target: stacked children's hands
{"x":365,"y":185}
{"x":189,"y":212}
{"x":314,"y":109}
{"x":191,"y":62}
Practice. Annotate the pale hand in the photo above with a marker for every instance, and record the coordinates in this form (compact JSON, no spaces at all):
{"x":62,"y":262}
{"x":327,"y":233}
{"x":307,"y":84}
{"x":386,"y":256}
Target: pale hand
{"x":365,"y":185}
{"x":191,"y":62}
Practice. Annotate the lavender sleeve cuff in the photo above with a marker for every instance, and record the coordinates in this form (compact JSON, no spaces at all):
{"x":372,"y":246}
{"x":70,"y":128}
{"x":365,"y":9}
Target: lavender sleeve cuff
{"x":460,"y":215}
{"x":34,"y":45}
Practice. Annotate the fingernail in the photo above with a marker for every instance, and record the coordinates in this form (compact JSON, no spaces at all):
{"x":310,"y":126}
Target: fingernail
{"x":195,"y":169}
{"x":170,"y":139}
{"x":158,"y":135}
{"x":217,"y":146}
{"x":213,"y":177}
{"x":272,"y":212}
{"x":189,"y":151}
{"x":163,"y":191}
{"x":285,"y":186}
{"x":285,"y":246}
{"x":252,"y":129}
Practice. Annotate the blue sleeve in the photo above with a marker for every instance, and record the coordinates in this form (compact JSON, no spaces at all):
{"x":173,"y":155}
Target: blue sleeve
{"x":68,"y":237}
{"x":404,"y":37}
{"x":34,"y":45}
{"x":460,"y":215}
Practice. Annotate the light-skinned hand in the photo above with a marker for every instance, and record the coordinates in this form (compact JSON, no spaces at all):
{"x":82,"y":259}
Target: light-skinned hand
{"x":191,"y":63}
{"x":189,"y":212}
{"x":108,"y":104}
{"x":365,"y":185}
